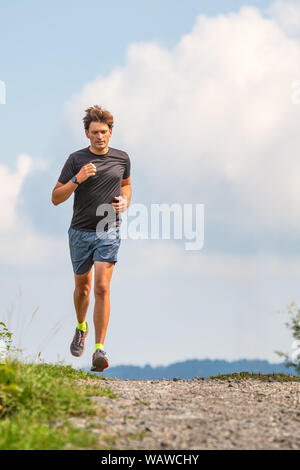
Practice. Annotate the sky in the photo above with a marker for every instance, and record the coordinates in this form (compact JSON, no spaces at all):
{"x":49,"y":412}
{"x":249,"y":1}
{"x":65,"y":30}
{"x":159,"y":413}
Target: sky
{"x":205,"y":100}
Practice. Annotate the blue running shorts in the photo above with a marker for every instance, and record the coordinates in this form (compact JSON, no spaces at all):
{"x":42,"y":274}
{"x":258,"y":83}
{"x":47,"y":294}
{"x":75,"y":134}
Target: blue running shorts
{"x":87,"y":247}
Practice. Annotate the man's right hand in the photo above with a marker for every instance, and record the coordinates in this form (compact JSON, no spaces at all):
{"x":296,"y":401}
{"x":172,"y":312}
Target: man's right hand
{"x":62,"y":192}
{"x":85,"y":172}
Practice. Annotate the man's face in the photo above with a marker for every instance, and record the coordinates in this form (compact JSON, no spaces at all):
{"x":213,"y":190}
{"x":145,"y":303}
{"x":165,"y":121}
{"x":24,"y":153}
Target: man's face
{"x":99,"y":134}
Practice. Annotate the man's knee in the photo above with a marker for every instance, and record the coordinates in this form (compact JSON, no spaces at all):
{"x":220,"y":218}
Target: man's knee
{"x":83,"y":284}
{"x":82,"y":290}
{"x":101,"y":289}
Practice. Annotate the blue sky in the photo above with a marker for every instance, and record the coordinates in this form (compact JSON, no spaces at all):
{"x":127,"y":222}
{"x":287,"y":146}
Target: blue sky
{"x":51,"y":49}
{"x":233,"y":71}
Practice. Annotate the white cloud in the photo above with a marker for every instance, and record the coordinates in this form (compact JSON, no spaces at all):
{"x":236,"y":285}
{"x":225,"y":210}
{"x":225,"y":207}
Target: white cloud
{"x":23,"y":245}
{"x":19,"y":241}
{"x":170,"y":255}
{"x":11,"y":184}
{"x":203,"y":301}
{"x":287,"y":14}
{"x":217,"y":107}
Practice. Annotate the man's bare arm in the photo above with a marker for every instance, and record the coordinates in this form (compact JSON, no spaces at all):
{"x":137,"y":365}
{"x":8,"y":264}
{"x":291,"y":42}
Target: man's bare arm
{"x":124,"y":200}
{"x":126,"y":190}
{"x":62,"y":192}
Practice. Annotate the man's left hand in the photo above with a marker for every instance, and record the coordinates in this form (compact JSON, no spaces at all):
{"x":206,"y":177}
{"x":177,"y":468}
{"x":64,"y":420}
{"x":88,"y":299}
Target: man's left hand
{"x":121,"y":205}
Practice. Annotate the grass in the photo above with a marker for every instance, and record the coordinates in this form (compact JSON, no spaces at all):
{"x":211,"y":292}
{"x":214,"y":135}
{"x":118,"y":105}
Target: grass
{"x":37,"y":402}
{"x":257,"y":376}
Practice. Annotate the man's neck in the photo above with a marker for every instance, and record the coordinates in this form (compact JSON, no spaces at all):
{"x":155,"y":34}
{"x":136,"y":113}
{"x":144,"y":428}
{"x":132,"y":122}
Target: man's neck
{"x":98,"y":152}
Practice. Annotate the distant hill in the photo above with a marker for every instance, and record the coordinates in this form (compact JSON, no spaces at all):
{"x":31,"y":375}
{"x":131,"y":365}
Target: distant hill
{"x":195,"y":368}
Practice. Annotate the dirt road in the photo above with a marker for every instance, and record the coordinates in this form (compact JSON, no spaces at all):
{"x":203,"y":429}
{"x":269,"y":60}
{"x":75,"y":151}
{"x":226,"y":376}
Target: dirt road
{"x":199,"y":414}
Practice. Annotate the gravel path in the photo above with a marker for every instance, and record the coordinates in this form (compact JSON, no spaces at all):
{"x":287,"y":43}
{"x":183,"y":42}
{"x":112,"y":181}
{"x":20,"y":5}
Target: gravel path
{"x":200,"y":414}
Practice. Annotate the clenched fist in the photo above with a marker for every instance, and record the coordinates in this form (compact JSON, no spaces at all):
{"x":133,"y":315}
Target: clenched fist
{"x":85,"y":172}
{"x":121,"y":205}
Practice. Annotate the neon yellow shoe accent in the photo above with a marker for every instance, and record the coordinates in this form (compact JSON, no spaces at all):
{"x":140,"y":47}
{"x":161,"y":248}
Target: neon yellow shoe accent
{"x":81,"y":326}
{"x":98,"y":346}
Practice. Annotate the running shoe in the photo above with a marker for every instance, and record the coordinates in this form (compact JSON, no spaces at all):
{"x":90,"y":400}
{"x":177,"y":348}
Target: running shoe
{"x":99,"y":361}
{"x":77,"y":345}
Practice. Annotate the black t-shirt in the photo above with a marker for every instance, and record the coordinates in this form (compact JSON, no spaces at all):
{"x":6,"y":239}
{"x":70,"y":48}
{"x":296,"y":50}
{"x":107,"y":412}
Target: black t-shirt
{"x":100,"y":188}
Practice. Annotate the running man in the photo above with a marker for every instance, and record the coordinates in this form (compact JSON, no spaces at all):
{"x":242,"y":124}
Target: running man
{"x":99,"y":176}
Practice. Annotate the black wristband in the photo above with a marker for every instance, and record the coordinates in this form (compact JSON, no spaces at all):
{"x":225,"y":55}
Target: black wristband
{"x":74,"y":180}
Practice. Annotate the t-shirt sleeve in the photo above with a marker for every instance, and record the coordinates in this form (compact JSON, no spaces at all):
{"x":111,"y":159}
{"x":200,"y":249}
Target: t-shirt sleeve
{"x":127,"y":168}
{"x":68,"y":170}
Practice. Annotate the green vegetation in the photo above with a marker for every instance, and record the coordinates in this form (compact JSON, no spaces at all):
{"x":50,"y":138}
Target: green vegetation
{"x":37,"y":402}
{"x":5,"y":335}
{"x":257,"y":376}
{"x":293,"y":359}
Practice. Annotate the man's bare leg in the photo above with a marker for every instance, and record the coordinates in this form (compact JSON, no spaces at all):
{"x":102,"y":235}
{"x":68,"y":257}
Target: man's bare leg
{"x":103,"y":273}
{"x":83,"y":284}
{"x":81,"y":301}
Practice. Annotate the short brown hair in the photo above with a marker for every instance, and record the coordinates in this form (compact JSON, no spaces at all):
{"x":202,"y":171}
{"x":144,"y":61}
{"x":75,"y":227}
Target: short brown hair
{"x":98,"y":114}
